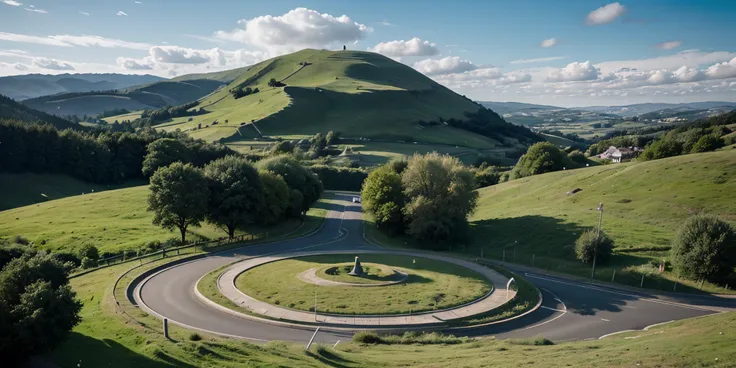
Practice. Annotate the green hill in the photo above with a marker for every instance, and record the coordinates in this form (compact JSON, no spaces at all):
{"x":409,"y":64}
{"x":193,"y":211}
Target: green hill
{"x":150,"y":96}
{"x":360,"y":94}
{"x":644,"y":203}
{"x":11,"y":110}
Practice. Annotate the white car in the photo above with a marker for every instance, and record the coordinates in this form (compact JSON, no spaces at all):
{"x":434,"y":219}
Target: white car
{"x":356,"y":199}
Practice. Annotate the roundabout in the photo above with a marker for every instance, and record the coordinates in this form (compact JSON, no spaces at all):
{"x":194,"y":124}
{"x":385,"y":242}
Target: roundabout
{"x":568,"y":310}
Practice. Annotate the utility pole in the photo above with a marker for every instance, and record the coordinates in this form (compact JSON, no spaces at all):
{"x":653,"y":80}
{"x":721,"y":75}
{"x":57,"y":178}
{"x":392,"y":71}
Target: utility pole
{"x":597,"y":238}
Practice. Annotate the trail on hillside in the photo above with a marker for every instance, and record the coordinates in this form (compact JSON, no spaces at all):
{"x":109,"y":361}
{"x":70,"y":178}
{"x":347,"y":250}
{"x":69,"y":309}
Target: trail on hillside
{"x":296,"y":71}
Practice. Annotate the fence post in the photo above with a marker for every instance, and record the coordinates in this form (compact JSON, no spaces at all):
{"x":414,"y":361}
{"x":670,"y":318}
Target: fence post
{"x":641,"y":285}
{"x":674,"y":287}
{"x":701,"y":284}
{"x":166,"y":328}
{"x":614,"y":276}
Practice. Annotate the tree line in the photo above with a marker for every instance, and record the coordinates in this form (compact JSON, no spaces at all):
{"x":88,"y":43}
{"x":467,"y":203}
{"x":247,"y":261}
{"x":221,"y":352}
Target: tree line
{"x":97,"y":156}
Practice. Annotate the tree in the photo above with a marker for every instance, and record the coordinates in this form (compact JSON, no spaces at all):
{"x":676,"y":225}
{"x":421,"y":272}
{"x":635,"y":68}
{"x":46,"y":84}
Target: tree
{"x":704,"y":248}
{"x":319,"y":143}
{"x":275,"y":197}
{"x":661,"y":148}
{"x":236,"y":193}
{"x":382,"y":196}
{"x":297,"y":177}
{"x":295,"y":200}
{"x":441,"y":193}
{"x":179,"y":197}
{"x":164,"y":152}
{"x":282,"y":147}
{"x":592,"y":245}
{"x":332,"y":137}
{"x":38,"y":308}
{"x":707,"y":143}
{"x":540,"y":158}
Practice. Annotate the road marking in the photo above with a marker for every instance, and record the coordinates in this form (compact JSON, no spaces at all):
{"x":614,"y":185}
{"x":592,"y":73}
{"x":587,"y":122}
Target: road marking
{"x":644,"y":329}
{"x":562,"y":312}
{"x":639,"y":297}
{"x":607,"y":320}
{"x":552,"y":309}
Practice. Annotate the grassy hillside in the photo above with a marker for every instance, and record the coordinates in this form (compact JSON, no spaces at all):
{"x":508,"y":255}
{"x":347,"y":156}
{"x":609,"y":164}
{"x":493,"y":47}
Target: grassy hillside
{"x":12,"y":110}
{"x":25,"y":189}
{"x":644,"y":203}
{"x":360,"y":94}
{"x":226,"y":76}
{"x":148,"y":96}
{"x":106,"y":337}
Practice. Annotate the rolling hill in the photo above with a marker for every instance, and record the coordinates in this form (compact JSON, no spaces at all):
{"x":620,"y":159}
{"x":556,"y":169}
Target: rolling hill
{"x":360,"y":94}
{"x":150,"y":96}
{"x":12,"y":110}
{"x":23,"y":87}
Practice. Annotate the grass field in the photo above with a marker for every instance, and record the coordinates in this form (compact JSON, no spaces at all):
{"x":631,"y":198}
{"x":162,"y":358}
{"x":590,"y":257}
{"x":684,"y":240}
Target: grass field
{"x":108,"y":338}
{"x":112,"y":220}
{"x":24,"y":189}
{"x":431,"y":285}
{"x":360,"y":94}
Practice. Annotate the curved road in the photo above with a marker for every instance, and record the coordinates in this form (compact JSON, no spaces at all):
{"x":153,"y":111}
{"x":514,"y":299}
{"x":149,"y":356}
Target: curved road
{"x":571,"y":310}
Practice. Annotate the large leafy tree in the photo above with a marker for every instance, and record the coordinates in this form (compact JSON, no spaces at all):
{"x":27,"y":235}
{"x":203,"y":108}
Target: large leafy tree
{"x":383,"y":197}
{"x":236,"y":193}
{"x":164,"y":152}
{"x":441,"y":195}
{"x":298,"y":178}
{"x":179,"y":197}
{"x":540,"y":158}
{"x":705,"y":248}
{"x":275,"y":197}
{"x":38,"y":308}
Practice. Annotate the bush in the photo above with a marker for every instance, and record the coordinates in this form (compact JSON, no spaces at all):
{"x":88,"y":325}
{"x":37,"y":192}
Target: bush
{"x":88,"y":263}
{"x":89,"y":251}
{"x":578,"y":157}
{"x":195,"y":337}
{"x":707,"y":143}
{"x":367,"y":337}
{"x":21,"y":240}
{"x":340,"y":178}
{"x":704,"y":248}
{"x":661,"y":148}
{"x":383,"y":196}
{"x":590,"y":245}
{"x":487,"y":177}
{"x":537,"y":341}
{"x":540,"y":158}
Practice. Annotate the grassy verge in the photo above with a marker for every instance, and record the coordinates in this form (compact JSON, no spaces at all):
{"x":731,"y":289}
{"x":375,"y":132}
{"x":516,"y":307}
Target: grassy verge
{"x":431,"y":285}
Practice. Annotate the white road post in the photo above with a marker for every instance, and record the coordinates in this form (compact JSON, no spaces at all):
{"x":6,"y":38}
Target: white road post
{"x":507,"y":287}
{"x":312,"y":339}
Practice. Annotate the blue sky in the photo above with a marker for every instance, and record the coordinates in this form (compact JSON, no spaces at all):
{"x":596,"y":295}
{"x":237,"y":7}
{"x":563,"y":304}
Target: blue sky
{"x":573,"y":52}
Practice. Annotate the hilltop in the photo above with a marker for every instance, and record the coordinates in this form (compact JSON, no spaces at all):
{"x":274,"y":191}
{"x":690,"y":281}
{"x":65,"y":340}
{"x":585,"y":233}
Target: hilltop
{"x":360,"y":94}
{"x":149,"y":96}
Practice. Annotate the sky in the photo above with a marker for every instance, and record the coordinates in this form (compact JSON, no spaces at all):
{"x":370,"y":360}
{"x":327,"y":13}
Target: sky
{"x":563,"y":53}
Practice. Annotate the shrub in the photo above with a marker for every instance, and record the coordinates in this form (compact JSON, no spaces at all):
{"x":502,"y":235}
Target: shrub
{"x":590,"y":245}
{"x":89,"y":251}
{"x":195,"y":337}
{"x":340,"y":178}
{"x":578,"y":157}
{"x":367,"y":337}
{"x":537,"y":341}
{"x":707,"y":143}
{"x":88,"y":263}
{"x":661,"y":148}
{"x":540,"y":158}
{"x":704,"y":248}
{"x":487,"y":177}
{"x":21,"y":240}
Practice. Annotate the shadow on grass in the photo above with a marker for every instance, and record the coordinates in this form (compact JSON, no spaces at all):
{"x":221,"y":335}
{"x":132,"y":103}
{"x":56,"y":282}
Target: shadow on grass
{"x":83,"y":351}
{"x":324,"y":355}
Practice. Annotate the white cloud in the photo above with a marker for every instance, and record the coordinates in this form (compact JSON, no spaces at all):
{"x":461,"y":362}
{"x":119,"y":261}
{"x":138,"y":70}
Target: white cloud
{"x":138,"y":2}
{"x":669,"y":45}
{"x":34,"y":9}
{"x":133,"y":64}
{"x":12,"y":3}
{"x":84,"y":13}
{"x":605,"y":14}
{"x":548,"y":42}
{"x":52,"y":64}
{"x":87,"y":41}
{"x":387,"y":24}
{"x":71,"y":41}
{"x":121,"y":13}
{"x":692,"y":59}
{"x":539,"y":60}
{"x":413,"y":47}
{"x":722,"y":70}
{"x":14,"y":37}
{"x":299,"y":28}
{"x":574,"y":72}
{"x":447,"y":65}
{"x":515,"y":77}
{"x":178,"y":55}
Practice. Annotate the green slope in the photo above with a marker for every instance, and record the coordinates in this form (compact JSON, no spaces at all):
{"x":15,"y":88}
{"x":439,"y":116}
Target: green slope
{"x":11,"y":110}
{"x":150,"y":96}
{"x":360,"y":94}
{"x":644,"y":203}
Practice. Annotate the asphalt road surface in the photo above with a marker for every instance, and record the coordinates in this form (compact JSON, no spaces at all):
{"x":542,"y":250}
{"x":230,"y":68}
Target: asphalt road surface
{"x":571,"y":310}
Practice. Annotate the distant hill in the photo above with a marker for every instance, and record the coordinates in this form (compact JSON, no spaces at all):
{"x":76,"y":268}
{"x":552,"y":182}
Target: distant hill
{"x":503,"y":108}
{"x":23,"y":87}
{"x":359,"y":94}
{"x":11,"y":110}
{"x":644,"y":108}
{"x":150,"y":96}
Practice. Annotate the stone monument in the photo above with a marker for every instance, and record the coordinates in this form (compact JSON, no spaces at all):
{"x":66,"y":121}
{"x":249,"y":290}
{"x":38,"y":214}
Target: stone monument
{"x":357,"y":268}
